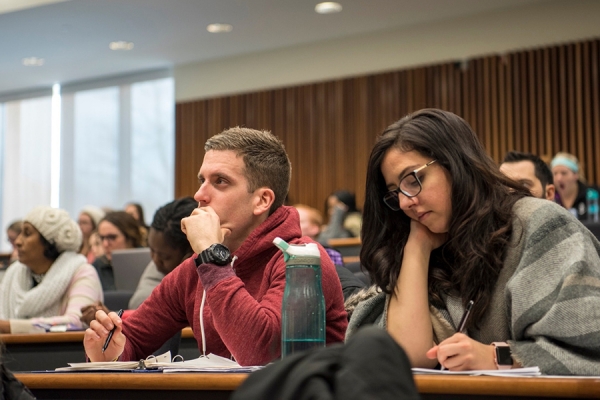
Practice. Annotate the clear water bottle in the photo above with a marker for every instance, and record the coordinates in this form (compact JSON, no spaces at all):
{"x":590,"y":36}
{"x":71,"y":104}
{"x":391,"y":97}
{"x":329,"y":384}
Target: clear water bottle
{"x":592,"y":205}
{"x":303,"y":307}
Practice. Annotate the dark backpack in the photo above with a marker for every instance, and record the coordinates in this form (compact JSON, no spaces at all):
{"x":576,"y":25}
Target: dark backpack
{"x":11,"y":388}
{"x":371,"y":365}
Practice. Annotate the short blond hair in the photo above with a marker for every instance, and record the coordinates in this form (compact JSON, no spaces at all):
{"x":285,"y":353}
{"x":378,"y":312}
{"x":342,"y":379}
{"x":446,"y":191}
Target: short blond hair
{"x":313,"y":214}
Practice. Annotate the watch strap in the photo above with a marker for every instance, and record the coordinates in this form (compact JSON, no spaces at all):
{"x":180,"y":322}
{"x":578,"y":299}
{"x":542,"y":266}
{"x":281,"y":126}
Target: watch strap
{"x":500,"y":346}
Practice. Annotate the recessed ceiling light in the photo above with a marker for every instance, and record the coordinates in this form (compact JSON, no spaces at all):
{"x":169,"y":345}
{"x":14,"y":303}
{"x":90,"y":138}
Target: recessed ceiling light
{"x":328,"y":7}
{"x":121,"y":45}
{"x":33,"y":62}
{"x":217,"y":28}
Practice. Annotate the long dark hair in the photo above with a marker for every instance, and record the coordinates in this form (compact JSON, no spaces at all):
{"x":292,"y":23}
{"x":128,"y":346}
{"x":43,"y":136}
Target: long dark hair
{"x":480,"y":226}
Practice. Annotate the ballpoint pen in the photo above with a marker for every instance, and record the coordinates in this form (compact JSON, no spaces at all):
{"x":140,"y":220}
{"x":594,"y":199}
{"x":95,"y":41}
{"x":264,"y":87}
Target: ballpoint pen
{"x":463,"y":320}
{"x":111,"y":333}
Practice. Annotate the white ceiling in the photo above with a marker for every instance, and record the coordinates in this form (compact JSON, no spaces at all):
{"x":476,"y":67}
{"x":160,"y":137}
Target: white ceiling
{"x":73,"y":36}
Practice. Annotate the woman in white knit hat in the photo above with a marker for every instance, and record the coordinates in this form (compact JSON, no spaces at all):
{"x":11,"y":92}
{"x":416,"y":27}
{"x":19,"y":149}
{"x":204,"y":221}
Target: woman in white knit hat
{"x":51,"y":281}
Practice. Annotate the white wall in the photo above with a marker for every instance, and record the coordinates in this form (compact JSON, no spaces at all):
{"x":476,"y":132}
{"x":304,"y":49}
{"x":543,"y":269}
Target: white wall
{"x":535,"y":25}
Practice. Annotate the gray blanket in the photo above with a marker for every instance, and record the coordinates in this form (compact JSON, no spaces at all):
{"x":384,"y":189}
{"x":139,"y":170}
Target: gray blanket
{"x":546,"y":303}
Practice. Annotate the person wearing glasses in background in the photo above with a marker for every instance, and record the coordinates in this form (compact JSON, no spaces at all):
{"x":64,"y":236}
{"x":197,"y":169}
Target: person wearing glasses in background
{"x":169,"y":247}
{"x":531,"y":171}
{"x":443,"y":226}
{"x":117,"y":230}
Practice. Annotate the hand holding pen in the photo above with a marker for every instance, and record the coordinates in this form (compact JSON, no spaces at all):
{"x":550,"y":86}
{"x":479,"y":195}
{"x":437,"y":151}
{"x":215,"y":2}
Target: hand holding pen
{"x":460,"y":351}
{"x":104,"y":340}
{"x":463,"y":321}
{"x":111,"y":333}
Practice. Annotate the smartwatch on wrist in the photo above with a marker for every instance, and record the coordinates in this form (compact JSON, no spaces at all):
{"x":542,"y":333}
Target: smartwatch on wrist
{"x":217,"y":254}
{"x":502,"y":356}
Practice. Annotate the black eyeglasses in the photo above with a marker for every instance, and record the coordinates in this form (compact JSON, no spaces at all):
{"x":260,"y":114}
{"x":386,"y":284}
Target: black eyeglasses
{"x":410,"y":186}
{"x":111,"y":238}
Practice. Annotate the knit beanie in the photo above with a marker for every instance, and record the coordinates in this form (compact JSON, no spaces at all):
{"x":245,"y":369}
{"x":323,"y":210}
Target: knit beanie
{"x":95,"y":213}
{"x":57,"y":227}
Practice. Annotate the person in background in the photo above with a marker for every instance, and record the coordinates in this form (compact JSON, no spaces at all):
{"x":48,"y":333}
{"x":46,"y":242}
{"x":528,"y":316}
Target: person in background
{"x":137,"y":212}
{"x":310,"y":225}
{"x":51,"y":281}
{"x":13,"y":230}
{"x":117,"y":230}
{"x":345,"y":220}
{"x":169,"y":247}
{"x":570,"y":185}
{"x":443,"y":227}
{"x":96,"y":245}
{"x":531,"y":171}
{"x":89,"y":218}
{"x":230,"y":294}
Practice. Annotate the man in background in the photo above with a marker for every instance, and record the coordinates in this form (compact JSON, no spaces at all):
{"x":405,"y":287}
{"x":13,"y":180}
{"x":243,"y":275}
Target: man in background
{"x":311,"y":222}
{"x":531,"y":171}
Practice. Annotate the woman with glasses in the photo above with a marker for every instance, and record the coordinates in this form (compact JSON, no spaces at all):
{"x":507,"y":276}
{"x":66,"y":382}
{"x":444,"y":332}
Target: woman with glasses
{"x":169,"y":247}
{"x":442,"y":226}
{"x":117,"y":230}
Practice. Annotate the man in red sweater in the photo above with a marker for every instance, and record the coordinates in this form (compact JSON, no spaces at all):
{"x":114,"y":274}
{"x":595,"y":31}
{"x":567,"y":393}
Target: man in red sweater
{"x":244,"y":179}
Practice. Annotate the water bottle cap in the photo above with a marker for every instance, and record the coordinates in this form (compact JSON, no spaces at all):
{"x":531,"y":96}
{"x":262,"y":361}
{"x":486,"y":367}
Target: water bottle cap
{"x":304,"y":250}
{"x":308,"y":252}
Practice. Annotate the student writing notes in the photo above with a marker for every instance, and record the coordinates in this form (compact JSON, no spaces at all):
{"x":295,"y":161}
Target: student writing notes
{"x":443,"y":226}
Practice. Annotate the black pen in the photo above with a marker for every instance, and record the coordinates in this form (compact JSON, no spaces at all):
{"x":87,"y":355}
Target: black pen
{"x":465,"y":317}
{"x":463,"y":321}
{"x":110,"y":334}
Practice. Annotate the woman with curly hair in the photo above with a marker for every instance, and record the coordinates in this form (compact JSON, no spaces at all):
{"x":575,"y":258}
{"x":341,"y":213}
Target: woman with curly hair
{"x":442,"y":226}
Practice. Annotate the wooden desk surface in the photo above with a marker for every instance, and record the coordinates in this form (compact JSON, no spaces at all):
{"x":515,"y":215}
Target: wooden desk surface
{"x":344,"y":242}
{"x":47,"y":351}
{"x":59,"y":337}
{"x":437,"y":385}
{"x":133,"y":381}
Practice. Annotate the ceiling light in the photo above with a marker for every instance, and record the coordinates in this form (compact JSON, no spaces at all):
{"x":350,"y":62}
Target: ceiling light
{"x":121,"y":45}
{"x":33,"y":62}
{"x":217,"y":28}
{"x":328,"y":7}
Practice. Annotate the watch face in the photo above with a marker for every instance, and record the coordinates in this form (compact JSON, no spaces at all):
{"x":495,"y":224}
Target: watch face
{"x":221,"y":253}
{"x":503,"y":355}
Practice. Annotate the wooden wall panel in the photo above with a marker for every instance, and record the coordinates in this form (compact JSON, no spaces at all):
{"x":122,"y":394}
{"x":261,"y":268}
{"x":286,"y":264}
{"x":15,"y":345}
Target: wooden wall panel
{"x":538,"y":100}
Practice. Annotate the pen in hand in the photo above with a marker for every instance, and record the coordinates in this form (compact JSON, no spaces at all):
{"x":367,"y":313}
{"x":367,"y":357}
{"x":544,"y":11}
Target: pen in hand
{"x":111,"y":333}
{"x":465,"y":317}
{"x":463,"y":320}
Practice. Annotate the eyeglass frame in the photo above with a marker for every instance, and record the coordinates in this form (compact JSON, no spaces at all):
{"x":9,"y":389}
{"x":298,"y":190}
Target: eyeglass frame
{"x":111,"y":237}
{"x":395,"y":194}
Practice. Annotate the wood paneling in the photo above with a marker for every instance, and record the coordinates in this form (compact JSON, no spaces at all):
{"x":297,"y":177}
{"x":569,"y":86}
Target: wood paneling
{"x":539,"y":100}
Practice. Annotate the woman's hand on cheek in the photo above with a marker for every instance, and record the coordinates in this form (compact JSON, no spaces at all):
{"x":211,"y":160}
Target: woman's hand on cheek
{"x":461,"y":353}
{"x":421,"y":236}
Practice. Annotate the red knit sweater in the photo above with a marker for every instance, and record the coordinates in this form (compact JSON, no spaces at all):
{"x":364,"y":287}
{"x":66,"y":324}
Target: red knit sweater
{"x":242,"y":314}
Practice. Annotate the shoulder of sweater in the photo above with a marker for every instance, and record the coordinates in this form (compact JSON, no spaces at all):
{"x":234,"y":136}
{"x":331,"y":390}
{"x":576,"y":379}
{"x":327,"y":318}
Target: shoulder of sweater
{"x":524,"y":208}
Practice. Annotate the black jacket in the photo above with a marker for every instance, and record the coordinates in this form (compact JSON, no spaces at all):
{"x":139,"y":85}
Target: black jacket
{"x":11,"y":388}
{"x":369,"y":366}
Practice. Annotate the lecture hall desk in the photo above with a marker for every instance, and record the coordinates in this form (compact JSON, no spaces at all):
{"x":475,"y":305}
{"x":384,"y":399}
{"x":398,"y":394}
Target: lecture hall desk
{"x":207,"y":386}
{"x":47,"y":351}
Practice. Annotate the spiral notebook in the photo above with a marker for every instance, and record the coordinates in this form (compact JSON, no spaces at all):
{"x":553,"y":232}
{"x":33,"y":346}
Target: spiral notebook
{"x":164,"y":363}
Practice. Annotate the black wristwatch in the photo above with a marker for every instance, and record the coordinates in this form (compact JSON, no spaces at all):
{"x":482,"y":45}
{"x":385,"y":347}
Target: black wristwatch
{"x":216,"y":254}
